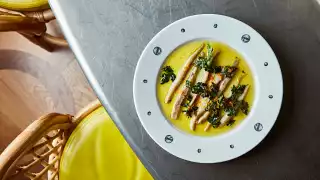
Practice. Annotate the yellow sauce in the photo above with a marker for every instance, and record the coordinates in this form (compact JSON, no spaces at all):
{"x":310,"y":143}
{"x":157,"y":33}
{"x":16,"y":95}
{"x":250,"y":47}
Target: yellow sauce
{"x":226,"y":57}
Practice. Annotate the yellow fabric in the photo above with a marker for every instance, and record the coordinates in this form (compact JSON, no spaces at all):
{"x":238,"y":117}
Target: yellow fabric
{"x":97,"y":151}
{"x":24,"y":5}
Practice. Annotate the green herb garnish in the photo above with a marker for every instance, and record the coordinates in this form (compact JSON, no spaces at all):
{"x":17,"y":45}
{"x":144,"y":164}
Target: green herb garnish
{"x":190,"y":111}
{"x":231,"y":111}
{"x":214,"y":121}
{"x":200,"y":89}
{"x":231,"y":105}
{"x":167,"y":75}
{"x":188,"y":100}
{"x":214,"y":108}
{"x":201,"y":63}
{"x":213,"y":90}
{"x":187,"y":109}
{"x":228,"y":71}
{"x":231,"y":122}
{"x":206,"y":62}
{"x":244,"y":107}
{"x":237,"y":91}
{"x":221,"y":101}
{"x":217,"y":69}
{"x":164,"y":78}
{"x":188,"y":84}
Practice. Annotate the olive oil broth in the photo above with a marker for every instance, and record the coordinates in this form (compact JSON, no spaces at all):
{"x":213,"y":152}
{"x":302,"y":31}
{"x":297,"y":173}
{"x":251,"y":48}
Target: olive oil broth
{"x":226,"y":57}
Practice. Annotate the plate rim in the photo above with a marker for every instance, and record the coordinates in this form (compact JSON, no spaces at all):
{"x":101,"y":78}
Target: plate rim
{"x":139,"y":94}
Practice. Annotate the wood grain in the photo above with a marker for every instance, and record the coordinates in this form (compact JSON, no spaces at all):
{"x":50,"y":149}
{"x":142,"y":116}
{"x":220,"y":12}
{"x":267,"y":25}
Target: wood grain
{"x":34,"y":82}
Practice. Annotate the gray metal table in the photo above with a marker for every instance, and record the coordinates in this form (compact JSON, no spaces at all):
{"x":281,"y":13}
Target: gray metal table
{"x":108,"y":36}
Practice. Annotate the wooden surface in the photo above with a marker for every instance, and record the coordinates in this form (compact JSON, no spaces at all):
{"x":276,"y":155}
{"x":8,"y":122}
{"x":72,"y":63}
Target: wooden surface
{"x":34,"y":82}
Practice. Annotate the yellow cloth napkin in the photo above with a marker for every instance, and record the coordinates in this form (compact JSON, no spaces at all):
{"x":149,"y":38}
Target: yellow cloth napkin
{"x":97,"y":151}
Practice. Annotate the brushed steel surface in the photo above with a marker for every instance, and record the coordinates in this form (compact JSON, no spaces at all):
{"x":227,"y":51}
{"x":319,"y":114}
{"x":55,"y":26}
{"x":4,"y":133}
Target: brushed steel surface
{"x":108,"y":36}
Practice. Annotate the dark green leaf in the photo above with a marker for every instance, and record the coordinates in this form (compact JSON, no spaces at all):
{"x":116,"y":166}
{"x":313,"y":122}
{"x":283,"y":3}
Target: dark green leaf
{"x":164,"y":78}
{"x":167,"y":75}
{"x":168,"y":69}
{"x":201,"y":62}
{"x":221,"y":101}
{"x":231,"y":122}
{"x":206,"y":62}
{"x":244,"y":107}
{"x":200,"y":89}
{"x":188,"y":84}
{"x":237,"y":92}
{"x":217,"y":69}
{"x":231,"y":111}
{"x":213,"y":90}
{"x":228,"y":71}
{"x":172,"y":77}
{"x":214,"y":121}
{"x":190,"y":111}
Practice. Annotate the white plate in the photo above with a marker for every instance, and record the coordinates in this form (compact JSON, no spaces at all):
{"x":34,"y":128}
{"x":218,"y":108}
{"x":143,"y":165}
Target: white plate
{"x":267,"y":81}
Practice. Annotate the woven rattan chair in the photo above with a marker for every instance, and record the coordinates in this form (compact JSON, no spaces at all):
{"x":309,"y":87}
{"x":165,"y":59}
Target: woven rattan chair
{"x":36,"y":153}
{"x":29,"y":18}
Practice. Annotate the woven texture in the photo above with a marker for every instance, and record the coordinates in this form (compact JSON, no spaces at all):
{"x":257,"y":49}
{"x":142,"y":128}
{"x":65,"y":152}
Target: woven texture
{"x":35,"y":153}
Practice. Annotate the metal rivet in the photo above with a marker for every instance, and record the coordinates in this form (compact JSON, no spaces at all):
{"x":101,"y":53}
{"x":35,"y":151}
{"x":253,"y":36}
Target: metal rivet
{"x":231,"y":146}
{"x":215,"y":25}
{"x":258,"y":127}
{"x":270,"y":96}
{"x":245,"y":38}
{"x":265,"y":64}
{"x":145,"y":81}
{"x":168,"y":139}
{"x":183,"y":30}
{"x":199,"y":150}
{"x":149,"y":113}
{"x":157,"y":50}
